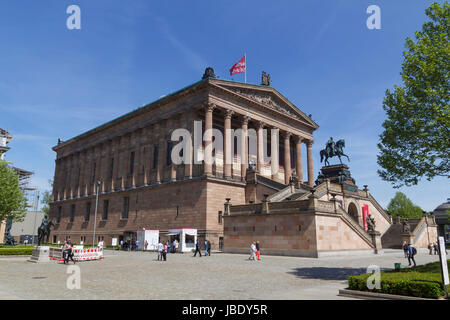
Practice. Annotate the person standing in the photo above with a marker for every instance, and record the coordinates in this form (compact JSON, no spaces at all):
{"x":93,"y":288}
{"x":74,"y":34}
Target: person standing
{"x":436,"y":249}
{"x":411,"y":253}
{"x":405,"y":249}
{"x":176,"y":245}
{"x":160,"y":251}
{"x":252,"y":251}
{"x":258,"y":252}
{"x":65,"y":250}
{"x":146,"y":245}
{"x":430,"y":248}
{"x":165,"y":250}
{"x":174,"y":249}
{"x":137,"y":245}
{"x":209,"y":248}
{"x":197,"y":248}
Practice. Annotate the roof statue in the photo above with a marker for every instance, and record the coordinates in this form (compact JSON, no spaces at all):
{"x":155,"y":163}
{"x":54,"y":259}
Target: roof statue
{"x":265,"y":79}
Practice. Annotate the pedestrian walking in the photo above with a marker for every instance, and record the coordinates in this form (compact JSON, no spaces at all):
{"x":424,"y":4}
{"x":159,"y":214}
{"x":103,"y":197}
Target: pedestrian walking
{"x":176,"y":245}
{"x":436,"y":248}
{"x":160,"y":250}
{"x":405,"y":249}
{"x":197,"y":248}
{"x":411,"y":253}
{"x":137,"y":245}
{"x":430,"y":248}
{"x":209,"y":248}
{"x":65,"y":250}
{"x":206,"y":247}
{"x":146,"y":245}
{"x":69,"y":254}
{"x":252,"y":251}
{"x":258,"y":250}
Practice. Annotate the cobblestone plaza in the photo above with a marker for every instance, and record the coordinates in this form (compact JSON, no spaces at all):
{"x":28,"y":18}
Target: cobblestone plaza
{"x":138,"y":275}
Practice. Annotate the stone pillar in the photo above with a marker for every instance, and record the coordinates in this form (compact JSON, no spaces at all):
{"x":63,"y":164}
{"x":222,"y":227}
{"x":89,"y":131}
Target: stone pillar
{"x":114,"y":182}
{"x":244,"y":147}
{"x":309,"y":144}
{"x":81,"y":175}
{"x":227,"y":152}
{"x":260,"y":149}
{"x":287,"y":157}
{"x":376,"y":240}
{"x":298,"y":158}
{"x":208,"y":139}
{"x":161,"y":156}
{"x":274,"y":152}
{"x":189,"y":156}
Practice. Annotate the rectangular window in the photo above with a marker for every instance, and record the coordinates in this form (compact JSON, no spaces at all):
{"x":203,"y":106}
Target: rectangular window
{"x":58,"y":218}
{"x":126,"y":207}
{"x":111,"y":168}
{"x":155,"y":157}
{"x":88,"y":212}
{"x":72,"y":213}
{"x":105,"y":209}
{"x":219,"y":217}
{"x":132,"y":163}
{"x":169,"y":153}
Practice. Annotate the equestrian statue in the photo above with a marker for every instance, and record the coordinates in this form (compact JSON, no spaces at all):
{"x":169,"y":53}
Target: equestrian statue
{"x":44,"y":229}
{"x":333,"y":149}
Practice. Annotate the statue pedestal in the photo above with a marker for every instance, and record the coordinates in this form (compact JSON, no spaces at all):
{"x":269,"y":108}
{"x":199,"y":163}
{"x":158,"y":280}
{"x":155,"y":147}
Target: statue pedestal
{"x":376,"y":240}
{"x":40,"y":254}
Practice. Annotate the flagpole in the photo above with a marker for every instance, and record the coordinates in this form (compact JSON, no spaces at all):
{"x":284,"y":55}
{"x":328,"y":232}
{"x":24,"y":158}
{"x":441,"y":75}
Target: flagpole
{"x":245,"y":55}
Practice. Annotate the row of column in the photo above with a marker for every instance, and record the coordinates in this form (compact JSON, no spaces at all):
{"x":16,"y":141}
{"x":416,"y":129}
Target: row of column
{"x":228,"y":153}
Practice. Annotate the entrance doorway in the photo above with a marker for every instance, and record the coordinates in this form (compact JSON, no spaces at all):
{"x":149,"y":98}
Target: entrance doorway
{"x":353,"y":211}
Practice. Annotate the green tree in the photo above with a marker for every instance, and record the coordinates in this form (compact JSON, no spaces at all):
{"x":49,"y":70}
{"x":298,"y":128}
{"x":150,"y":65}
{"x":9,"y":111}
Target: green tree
{"x":12,"y":200}
{"x":46,"y":199}
{"x":401,"y":206}
{"x":416,"y":138}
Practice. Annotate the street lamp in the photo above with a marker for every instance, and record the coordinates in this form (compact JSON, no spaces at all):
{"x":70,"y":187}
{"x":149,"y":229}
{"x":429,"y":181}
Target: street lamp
{"x":35,"y":215}
{"x":95,"y":215}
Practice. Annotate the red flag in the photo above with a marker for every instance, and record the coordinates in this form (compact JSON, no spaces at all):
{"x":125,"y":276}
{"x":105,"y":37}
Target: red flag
{"x":239,"y":67}
{"x":365,"y":215}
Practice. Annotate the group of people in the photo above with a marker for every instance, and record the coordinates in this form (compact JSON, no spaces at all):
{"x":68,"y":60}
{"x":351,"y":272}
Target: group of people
{"x":434,"y":246}
{"x":168,"y":247}
{"x":198,"y":248}
{"x":130,"y":245}
{"x":67,"y":250}
{"x":255,"y":251}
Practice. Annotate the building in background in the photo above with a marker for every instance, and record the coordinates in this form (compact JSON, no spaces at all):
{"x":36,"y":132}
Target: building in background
{"x":442,"y":219}
{"x":142,"y":188}
{"x":24,"y":178}
{"x":27,"y":229}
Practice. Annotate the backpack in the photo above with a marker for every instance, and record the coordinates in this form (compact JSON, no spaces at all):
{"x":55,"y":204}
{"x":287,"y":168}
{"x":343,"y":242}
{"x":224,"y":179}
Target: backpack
{"x":414,"y":251}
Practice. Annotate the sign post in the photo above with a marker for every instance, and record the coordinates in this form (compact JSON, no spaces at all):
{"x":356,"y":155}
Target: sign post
{"x":444,"y":268}
{"x":114,"y":244}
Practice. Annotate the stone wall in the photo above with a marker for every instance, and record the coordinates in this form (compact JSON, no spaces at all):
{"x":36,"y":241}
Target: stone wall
{"x":278,"y":234}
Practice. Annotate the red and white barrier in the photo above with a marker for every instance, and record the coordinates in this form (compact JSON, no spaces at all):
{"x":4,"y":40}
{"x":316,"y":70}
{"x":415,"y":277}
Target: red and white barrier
{"x":79,"y":254}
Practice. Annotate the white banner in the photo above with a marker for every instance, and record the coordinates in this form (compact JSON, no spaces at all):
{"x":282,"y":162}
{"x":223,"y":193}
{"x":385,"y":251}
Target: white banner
{"x":443,"y":257}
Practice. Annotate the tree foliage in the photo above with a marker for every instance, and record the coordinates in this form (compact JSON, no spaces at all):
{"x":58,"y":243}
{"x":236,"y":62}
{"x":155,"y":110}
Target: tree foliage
{"x":401,"y":206}
{"x":12,"y":200}
{"x":46,"y":199}
{"x":416,"y":138}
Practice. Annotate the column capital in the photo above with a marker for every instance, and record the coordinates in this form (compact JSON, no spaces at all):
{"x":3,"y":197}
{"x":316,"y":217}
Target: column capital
{"x":244,"y":120}
{"x":209,"y":107}
{"x":309,"y":142}
{"x":299,"y":139}
{"x":286,"y":134}
{"x":260,"y":124}
{"x":228,"y":113}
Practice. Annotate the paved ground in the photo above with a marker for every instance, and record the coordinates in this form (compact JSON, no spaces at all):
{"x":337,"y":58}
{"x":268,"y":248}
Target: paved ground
{"x":139,"y":275}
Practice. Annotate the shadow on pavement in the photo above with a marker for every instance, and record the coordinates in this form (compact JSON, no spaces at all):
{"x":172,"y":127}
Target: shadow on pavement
{"x":324,"y":273}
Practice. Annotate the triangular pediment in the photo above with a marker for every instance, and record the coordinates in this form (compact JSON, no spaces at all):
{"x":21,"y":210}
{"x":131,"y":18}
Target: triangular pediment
{"x":270,"y":98}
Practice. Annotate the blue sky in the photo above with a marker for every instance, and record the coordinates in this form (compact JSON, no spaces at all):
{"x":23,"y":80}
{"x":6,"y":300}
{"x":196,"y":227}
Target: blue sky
{"x":57,"y":83}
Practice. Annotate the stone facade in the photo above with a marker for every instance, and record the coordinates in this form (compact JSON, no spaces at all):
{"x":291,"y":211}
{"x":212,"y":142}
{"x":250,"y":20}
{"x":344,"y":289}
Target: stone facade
{"x":141,"y":187}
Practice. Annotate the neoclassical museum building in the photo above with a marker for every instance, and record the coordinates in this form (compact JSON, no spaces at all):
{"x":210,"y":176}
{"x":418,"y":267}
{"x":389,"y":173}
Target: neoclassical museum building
{"x":232,"y":192}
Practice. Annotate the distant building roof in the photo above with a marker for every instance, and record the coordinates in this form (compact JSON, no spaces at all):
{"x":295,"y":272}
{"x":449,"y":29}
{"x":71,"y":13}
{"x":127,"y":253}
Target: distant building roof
{"x":441,"y":212}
